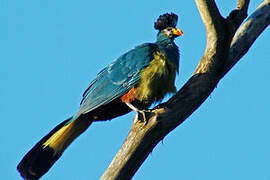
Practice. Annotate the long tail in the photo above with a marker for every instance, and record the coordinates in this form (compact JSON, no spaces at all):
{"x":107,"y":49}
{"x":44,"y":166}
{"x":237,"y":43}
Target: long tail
{"x":50,"y":148}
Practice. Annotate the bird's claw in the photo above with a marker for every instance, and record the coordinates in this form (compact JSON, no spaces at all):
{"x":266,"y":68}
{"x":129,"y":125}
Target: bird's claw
{"x":142,"y":115}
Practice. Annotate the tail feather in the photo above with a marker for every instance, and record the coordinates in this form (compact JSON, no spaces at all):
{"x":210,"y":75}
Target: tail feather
{"x":50,"y":148}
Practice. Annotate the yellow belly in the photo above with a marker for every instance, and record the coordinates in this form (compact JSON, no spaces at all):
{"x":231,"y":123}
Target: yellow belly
{"x":156,"y":80}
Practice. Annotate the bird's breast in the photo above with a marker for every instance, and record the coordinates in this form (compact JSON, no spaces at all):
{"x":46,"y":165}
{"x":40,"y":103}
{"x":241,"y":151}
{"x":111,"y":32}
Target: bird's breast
{"x":156,"y":81}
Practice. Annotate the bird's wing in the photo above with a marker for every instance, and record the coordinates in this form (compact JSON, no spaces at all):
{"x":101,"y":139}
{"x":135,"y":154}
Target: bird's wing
{"x":117,"y":78}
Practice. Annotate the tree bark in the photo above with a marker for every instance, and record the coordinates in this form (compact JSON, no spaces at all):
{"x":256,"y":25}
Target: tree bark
{"x":226,"y":44}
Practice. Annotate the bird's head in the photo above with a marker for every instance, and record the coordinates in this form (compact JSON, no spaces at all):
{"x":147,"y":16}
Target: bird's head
{"x":171,"y":32}
{"x":166,"y":24}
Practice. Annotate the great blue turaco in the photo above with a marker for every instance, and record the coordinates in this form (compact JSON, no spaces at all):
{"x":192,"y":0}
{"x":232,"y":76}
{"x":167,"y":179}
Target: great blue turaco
{"x":133,"y":81}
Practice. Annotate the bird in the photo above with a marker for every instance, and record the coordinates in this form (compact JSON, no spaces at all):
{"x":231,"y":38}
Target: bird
{"x":134,"y":81}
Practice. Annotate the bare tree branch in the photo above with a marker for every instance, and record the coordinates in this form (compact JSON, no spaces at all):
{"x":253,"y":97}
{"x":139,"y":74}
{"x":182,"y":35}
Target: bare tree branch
{"x":134,"y":150}
{"x":219,"y":57}
{"x":237,"y":16}
{"x":210,"y":15}
{"x":247,"y":34}
{"x":242,"y":5}
{"x":216,"y":36}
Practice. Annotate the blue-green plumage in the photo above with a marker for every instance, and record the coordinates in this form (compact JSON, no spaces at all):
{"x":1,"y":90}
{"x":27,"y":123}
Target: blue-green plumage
{"x":134,"y":81}
{"x":117,"y":78}
{"x":124,"y":73}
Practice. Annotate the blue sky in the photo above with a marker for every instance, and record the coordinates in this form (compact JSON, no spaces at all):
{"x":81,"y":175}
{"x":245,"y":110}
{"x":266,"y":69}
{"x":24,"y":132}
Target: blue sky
{"x":50,"y":52}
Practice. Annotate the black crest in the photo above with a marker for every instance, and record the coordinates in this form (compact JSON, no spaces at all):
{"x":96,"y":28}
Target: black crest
{"x":166,"y":20}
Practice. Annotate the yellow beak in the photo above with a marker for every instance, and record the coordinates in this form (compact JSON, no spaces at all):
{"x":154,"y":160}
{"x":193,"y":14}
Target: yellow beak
{"x":177,"y":32}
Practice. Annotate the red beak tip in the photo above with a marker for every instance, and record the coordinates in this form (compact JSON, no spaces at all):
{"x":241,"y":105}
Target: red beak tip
{"x":180,"y":33}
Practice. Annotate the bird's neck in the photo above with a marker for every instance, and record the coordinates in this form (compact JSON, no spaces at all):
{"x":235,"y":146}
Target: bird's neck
{"x":165,"y":43}
{"x":168,"y":46}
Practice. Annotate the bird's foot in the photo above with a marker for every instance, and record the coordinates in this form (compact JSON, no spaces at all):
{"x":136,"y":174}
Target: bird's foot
{"x":143,"y":115}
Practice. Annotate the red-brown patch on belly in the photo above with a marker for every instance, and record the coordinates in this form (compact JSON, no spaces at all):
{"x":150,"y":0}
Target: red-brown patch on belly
{"x":129,"y":96}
